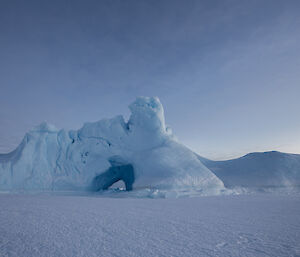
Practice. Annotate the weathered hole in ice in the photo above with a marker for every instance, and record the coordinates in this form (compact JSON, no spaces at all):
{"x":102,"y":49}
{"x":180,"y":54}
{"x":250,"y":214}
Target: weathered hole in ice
{"x":114,"y":174}
{"x":120,"y":185}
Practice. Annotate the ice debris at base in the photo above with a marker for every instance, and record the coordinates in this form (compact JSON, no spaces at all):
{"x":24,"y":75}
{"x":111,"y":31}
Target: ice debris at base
{"x":82,"y":160}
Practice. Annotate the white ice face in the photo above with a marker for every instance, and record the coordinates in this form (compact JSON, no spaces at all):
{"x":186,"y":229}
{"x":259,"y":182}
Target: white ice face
{"x":49,"y":159}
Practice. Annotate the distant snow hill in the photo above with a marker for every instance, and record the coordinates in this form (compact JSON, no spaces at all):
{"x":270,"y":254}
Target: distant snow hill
{"x":141,"y":151}
{"x":265,"y":169}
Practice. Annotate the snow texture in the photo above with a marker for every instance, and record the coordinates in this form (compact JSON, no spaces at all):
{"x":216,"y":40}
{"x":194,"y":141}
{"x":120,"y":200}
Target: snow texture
{"x":245,"y":225}
{"x":142,"y":152}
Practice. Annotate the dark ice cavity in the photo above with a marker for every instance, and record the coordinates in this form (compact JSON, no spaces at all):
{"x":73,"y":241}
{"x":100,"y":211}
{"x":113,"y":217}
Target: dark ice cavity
{"x":113,"y":175}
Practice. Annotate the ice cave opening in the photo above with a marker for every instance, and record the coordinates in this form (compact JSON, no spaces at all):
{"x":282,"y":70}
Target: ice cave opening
{"x":119,"y":185}
{"x":114,"y":174}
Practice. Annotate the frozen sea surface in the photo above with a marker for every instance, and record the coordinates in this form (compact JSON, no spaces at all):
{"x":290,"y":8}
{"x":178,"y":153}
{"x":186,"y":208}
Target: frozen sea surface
{"x":232,"y":225}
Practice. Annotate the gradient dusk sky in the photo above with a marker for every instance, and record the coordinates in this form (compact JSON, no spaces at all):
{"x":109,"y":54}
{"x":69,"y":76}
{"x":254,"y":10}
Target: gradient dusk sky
{"x":227,"y":72}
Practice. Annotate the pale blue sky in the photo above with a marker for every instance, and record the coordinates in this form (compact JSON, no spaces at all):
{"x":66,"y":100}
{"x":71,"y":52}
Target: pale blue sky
{"x":227,"y":72}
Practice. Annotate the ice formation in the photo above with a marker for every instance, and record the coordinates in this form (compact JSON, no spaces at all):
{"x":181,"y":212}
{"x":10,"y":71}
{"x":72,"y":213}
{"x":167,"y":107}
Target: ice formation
{"x":142,"y":152}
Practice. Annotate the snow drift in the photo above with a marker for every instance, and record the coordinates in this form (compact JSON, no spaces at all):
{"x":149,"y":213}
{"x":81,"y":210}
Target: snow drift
{"x":142,"y":152}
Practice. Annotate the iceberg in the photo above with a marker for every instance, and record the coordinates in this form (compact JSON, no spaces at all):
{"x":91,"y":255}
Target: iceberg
{"x":142,"y":152}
